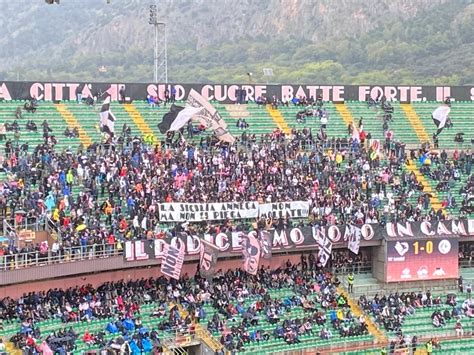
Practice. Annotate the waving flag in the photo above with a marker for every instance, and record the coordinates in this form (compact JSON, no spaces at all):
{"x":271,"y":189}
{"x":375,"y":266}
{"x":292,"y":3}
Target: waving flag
{"x":210,"y":117}
{"x":440,"y":116}
{"x":265,"y":244}
{"x":325,"y":247}
{"x":251,"y":252}
{"x":208,"y":259}
{"x":354,"y":239}
{"x":107,"y":118}
{"x":375,"y":149}
{"x":177,"y":117}
{"x":172,"y":261}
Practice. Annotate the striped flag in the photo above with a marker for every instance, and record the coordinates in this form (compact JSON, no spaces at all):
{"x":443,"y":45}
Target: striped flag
{"x":325,"y":250}
{"x":172,"y":261}
{"x":107,"y":118}
{"x":177,"y":117}
{"x":265,"y":244}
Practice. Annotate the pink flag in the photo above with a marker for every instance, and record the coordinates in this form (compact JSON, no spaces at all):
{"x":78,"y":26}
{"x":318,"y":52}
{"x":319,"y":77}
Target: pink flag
{"x":251,"y":252}
{"x":172,"y":261}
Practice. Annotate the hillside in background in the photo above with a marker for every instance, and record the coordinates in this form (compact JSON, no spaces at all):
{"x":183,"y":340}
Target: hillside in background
{"x":304,"y":41}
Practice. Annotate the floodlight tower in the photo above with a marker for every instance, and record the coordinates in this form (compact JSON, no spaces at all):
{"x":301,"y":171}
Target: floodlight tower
{"x":161,"y":51}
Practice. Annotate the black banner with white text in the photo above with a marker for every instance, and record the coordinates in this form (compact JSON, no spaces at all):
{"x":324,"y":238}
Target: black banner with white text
{"x":304,"y":238}
{"x":226,"y":93}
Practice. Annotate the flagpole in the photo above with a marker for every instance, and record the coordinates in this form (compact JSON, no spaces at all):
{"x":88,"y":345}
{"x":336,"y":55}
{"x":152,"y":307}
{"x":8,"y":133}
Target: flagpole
{"x":156,"y":53}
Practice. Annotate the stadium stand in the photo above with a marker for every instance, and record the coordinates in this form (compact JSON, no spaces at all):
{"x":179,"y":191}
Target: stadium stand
{"x":259,"y":119}
{"x":461,"y":115}
{"x":289,"y":309}
{"x":100,"y":196}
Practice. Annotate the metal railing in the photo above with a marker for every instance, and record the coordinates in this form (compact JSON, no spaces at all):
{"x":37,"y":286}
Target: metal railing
{"x":208,"y":339}
{"x":176,"y":339}
{"x":52,"y":227}
{"x":64,"y":255}
{"x":356,"y":268}
{"x":466,"y":263}
{"x":30,"y":223}
{"x":7,"y":227}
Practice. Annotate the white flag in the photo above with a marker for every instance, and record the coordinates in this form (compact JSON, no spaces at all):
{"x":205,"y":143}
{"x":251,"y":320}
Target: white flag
{"x":354,"y":239}
{"x":209,"y":116}
{"x":325,"y":249}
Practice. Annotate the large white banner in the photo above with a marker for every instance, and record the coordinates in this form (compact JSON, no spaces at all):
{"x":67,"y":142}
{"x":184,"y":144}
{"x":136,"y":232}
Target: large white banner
{"x":195,"y":212}
{"x":292,"y":209}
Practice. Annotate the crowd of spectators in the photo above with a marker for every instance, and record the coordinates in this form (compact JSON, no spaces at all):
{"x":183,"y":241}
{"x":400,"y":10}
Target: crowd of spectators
{"x":114,"y":189}
{"x":314,"y":294}
{"x":108,"y":193}
{"x":447,"y":173}
{"x":344,"y":261}
{"x":392,"y":311}
{"x":117,"y":302}
{"x":466,"y":253}
{"x":241,"y":304}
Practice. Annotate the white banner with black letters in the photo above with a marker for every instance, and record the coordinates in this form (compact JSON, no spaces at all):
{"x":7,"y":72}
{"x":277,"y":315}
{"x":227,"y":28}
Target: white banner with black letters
{"x":291,"y":209}
{"x":195,"y":212}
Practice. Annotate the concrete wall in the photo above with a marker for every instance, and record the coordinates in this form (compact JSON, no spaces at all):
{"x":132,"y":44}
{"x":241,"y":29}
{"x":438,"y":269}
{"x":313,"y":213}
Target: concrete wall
{"x":379,"y":270}
{"x":97,"y":279}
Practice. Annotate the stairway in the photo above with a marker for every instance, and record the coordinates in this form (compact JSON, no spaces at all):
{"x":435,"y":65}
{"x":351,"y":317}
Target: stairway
{"x":203,"y":334}
{"x":434,"y":201}
{"x":279,"y":119}
{"x":72,"y":122}
{"x":345,"y":113}
{"x":139,"y":121}
{"x":207,"y":338}
{"x":380,"y":337}
{"x":415,"y":122}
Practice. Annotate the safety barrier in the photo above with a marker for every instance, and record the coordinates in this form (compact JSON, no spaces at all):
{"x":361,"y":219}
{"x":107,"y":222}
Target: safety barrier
{"x":63,"y":255}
